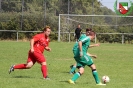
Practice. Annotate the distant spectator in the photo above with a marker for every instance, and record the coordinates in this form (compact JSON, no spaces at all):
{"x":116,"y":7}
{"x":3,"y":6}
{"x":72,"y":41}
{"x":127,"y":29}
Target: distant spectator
{"x":78,"y":32}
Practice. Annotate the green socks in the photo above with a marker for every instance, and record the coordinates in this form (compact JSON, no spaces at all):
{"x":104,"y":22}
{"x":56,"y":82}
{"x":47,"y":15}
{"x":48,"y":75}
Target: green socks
{"x":73,"y":69}
{"x":75,"y":77}
{"x":95,"y":75}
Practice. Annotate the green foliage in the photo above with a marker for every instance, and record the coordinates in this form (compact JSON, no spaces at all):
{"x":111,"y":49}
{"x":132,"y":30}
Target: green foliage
{"x":12,"y":6}
{"x":34,"y":18}
{"x":12,"y":25}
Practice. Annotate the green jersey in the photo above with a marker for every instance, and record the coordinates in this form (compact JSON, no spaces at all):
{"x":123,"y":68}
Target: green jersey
{"x":85,"y":44}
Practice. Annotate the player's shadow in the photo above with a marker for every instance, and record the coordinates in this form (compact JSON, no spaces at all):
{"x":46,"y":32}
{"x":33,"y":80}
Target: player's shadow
{"x":64,"y":81}
{"x":65,"y":72}
{"x":22,"y":77}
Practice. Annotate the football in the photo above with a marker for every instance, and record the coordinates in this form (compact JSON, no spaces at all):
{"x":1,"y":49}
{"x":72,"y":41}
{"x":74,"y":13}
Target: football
{"x":105,"y":79}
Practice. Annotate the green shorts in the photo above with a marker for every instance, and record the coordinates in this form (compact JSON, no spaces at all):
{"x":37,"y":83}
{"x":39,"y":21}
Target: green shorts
{"x":83,"y":61}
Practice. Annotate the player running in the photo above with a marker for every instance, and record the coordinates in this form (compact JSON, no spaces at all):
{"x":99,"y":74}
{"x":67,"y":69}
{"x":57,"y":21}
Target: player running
{"x":83,"y":58}
{"x":38,"y":43}
{"x":73,"y":67}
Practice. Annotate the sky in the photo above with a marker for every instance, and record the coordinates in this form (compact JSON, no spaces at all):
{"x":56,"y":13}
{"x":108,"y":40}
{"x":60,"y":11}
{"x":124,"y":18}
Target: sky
{"x":110,"y":3}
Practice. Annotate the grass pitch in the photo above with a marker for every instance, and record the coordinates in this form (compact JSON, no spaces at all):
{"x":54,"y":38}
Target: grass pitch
{"x":114,"y":60}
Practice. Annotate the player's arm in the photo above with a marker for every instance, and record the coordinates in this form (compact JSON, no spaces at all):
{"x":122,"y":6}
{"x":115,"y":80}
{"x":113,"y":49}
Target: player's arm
{"x":47,"y":48}
{"x":82,"y":40}
{"x":94,"y":56}
{"x":32,"y":41}
{"x":32,"y":45}
{"x":80,"y":47}
{"x":94,"y":45}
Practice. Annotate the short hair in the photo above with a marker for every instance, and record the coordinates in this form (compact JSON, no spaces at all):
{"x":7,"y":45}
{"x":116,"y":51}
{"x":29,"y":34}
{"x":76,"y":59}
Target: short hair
{"x":45,"y":29}
{"x":92,"y":33}
{"x":88,"y":29}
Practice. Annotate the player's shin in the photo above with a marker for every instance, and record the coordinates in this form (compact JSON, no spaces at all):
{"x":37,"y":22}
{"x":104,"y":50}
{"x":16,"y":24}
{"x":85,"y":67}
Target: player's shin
{"x":76,"y":76}
{"x":95,"y":75}
{"x":20,"y":66}
{"x":44,"y":70}
{"x":72,"y":69}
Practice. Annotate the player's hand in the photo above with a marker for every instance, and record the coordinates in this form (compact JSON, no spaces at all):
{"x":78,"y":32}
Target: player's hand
{"x":81,"y":53}
{"x":94,"y":56}
{"x":47,"y":48}
{"x":32,"y":50}
{"x":98,"y":44}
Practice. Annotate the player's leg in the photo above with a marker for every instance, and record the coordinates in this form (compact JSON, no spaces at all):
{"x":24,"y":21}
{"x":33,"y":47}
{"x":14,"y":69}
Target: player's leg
{"x":95,"y":74}
{"x":44,"y":70}
{"x":78,"y":36}
{"x":29,"y":64}
{"x":77,"y":74}
{"x":73,"y":68}
{"x":24,"y":66}
{"x":20,"y":66}
{"x":41,"y":59}
{"x":89,"y":62}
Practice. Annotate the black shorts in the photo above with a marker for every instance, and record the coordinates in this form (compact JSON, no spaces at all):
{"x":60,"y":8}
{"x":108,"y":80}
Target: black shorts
{"x":77,"y":36}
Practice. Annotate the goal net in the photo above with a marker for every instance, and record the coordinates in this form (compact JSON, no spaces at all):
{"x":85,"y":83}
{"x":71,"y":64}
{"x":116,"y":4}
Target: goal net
{"x":101,"y":24}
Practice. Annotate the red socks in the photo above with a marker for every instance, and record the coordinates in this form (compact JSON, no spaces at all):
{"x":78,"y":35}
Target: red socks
{"x":20,"y":66}
{"x":23,"y":66}
{"x":44,"y":70}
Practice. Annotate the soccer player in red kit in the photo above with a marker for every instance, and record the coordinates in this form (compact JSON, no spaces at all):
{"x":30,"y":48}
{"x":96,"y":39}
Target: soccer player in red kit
{"x":38,"y":43}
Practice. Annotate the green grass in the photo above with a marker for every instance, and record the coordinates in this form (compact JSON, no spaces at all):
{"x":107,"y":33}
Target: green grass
{"x":114,"y":60}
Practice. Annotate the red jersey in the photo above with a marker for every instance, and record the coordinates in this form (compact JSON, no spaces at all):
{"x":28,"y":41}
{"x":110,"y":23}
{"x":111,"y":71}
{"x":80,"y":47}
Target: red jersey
{"x":40,"y":42}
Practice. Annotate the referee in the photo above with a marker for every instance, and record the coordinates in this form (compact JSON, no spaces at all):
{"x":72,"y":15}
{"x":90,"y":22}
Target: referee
{"x":78,"y":32}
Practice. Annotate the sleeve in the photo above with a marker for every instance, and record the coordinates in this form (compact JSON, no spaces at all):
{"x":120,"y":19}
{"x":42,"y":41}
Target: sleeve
{"x":84,"y":39}
{"x":48,"y":42}
{"x":36,"y":37}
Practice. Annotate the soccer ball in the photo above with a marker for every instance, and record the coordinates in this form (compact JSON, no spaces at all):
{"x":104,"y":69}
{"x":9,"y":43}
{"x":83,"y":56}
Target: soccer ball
{"x":105,"y":79}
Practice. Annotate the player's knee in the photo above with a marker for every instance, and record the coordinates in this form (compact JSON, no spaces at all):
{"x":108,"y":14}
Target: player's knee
{"x":93,"y":70}
{"x":28,"y":66}
{"x":43,"y":63}
{"x":81,"y":71}
{"x":93,"y":66}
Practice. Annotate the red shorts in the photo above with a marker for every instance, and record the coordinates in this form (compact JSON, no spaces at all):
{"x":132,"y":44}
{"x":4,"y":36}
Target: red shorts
{"x":36,"y":57}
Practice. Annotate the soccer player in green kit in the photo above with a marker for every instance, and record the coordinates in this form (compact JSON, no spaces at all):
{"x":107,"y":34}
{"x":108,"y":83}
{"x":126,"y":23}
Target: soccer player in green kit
{"x":73,"y":67}
{"x":83,"y":58}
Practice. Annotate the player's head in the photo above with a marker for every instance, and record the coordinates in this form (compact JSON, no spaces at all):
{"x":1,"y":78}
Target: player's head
{"x":78,"y":25}
{"x":88,"y":31}
{"x":47,"y":30}
{"x":92,"y":35}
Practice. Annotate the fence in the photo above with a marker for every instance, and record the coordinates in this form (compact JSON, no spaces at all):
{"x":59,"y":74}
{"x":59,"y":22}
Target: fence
{"x":102,"y":24}
{"x":27,"y":17}
{"x":17,"y":32}
{"x":72,"y":34}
